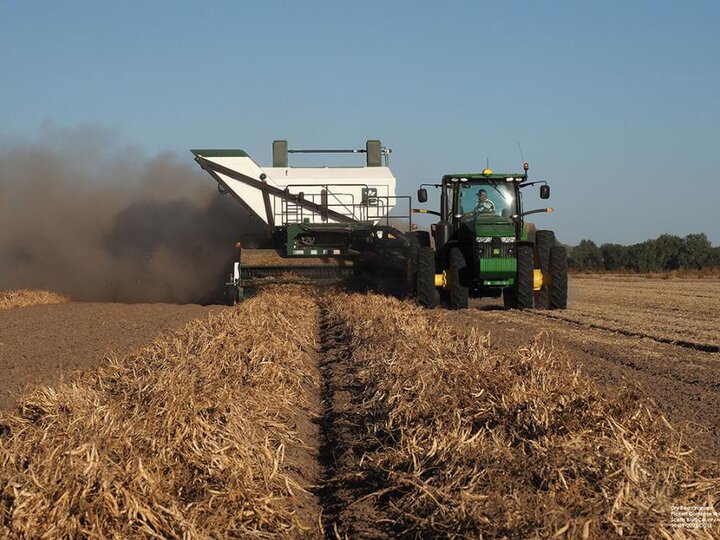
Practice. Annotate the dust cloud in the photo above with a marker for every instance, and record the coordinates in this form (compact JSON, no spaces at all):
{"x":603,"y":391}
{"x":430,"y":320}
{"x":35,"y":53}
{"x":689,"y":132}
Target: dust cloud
{"x":83,"y":216}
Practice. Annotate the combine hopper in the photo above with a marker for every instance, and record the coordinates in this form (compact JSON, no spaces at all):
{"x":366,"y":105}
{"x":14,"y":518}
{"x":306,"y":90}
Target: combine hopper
{"x":328,"y":224}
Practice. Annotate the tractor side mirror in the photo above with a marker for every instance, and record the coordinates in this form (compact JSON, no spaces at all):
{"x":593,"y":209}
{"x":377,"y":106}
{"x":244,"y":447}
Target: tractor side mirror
{"x":422,"y":195}
{"x":545,"y":192}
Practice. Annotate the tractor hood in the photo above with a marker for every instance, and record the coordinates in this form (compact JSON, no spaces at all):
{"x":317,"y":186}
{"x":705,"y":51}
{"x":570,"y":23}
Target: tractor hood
{"x":494,"y":226}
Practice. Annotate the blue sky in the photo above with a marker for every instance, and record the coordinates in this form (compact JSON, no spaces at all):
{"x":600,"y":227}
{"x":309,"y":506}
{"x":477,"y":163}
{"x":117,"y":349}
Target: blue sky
{"x":616,"y":104}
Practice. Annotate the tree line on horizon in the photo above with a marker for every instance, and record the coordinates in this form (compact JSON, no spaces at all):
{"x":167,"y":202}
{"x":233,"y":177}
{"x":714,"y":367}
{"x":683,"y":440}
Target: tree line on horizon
{"x":664,"y":253}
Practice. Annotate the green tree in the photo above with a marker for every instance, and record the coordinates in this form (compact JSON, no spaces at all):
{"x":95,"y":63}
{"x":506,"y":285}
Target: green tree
{"x":715,"y":256}
{"x":643,"y":256}
{"x":697,"y":251}
{"x":587,"y":256}
{"x":615,"y":257}
{"x":668,"y":250}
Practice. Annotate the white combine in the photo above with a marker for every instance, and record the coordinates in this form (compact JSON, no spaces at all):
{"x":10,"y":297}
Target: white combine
{"x":327,"y":223}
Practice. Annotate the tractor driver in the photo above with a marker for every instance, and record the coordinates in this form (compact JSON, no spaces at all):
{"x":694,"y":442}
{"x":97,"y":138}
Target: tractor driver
{"x":484,"y":205}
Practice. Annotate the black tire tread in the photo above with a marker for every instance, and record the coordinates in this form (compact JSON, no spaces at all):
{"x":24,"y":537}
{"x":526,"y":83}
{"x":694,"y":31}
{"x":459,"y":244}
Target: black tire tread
{"x":425,"y":277}
{"x":524,"y":278}
{"x":558,"y":269}
{"x":544,"y":241}
{"x":459,"y":293}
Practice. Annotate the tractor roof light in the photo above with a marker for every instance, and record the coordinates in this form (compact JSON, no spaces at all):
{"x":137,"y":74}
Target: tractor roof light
{"x":509,"y":179}
{"x":487,"y":172}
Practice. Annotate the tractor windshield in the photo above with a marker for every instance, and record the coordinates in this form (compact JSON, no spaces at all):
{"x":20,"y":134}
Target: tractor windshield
{"x":487,"y":198}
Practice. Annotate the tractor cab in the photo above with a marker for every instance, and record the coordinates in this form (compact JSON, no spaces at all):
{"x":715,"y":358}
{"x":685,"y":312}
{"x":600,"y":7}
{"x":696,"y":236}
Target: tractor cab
{"x":486,"y":205}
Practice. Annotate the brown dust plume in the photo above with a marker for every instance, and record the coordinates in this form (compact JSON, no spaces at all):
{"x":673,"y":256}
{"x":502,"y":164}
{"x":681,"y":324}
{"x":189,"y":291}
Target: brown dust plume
{"x":83,"y":216}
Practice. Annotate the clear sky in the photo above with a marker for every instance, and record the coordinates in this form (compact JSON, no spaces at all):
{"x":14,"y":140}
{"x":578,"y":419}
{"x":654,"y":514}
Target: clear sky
{"x":615,"y":103}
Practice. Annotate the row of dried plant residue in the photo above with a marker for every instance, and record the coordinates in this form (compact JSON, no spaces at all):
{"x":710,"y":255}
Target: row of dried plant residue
{"x":29,"y":297}
{"x":460,"y":442}
{"x":186,"y":438}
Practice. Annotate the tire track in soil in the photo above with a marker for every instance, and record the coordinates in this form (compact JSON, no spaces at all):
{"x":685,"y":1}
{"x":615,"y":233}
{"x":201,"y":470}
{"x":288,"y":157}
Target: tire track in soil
{"x":704,"y":347}
{"x":345,"y":494}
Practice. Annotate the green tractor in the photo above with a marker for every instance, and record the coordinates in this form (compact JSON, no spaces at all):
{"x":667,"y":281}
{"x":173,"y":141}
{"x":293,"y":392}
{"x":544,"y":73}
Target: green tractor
{"x":485,"y":248}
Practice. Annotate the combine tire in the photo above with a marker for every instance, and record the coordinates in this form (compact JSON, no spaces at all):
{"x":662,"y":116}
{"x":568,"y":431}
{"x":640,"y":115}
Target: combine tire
{"x":559,"y":286}
{"x":232,"y":295}
{"x":520,"y":295}
{"x":425,"y":277}
{"x":544,"y":241}
{"x":459,"y":292}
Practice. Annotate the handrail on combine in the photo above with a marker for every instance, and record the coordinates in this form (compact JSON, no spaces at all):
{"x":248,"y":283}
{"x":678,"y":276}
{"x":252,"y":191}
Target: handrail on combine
{"x":359,"y":212}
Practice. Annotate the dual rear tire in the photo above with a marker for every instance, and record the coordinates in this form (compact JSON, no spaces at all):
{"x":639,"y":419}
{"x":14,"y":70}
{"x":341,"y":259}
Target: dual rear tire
{"x":559,"y":278}
{"x":544,"y":241}
{"x":551,"y":259}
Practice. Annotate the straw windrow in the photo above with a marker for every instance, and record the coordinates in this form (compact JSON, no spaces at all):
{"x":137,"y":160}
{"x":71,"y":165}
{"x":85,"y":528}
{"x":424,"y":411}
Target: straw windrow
{"x":194,"y":436}
{"x":460,"y":442}
{"x":29,"y":297}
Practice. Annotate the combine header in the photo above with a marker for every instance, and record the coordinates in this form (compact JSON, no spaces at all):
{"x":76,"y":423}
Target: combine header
{"x":327,"y":224}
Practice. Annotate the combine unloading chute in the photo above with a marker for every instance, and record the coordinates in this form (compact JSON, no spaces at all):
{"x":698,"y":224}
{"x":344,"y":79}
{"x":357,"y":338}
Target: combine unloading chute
{"x":328,"y":224}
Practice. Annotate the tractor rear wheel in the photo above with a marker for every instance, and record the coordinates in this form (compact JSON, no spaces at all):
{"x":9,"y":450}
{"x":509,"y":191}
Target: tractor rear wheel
{"x":425,"y":277}
{"x":559,"y":284}
{"x":459,"y":293}
{"x":544,"y":241}
{"x":520,"y":295}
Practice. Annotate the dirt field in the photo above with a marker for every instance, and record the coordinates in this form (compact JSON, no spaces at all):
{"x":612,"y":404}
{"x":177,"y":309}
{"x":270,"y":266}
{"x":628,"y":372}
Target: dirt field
{"x":661,"y":336}
{"x":365,"y":417}
{"x":679,"y":310}
{"x":43,"y":343}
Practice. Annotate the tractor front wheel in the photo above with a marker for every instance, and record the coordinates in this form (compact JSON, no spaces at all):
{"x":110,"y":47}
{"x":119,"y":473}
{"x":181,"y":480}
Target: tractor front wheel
{"x":459,"y":292}
{"x":520,"y":295}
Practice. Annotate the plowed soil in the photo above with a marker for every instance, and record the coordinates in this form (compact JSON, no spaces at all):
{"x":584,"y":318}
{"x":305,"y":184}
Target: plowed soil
{"x":45,"y":343}
{"x":660,"y":336}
